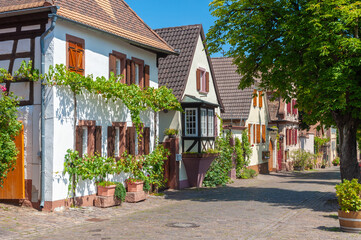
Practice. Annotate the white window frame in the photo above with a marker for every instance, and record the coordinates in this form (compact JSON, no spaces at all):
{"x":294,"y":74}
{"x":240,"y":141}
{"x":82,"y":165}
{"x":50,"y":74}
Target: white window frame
{"x":196,"y":122}
{"x":210,"y":123}
{"x":118,"y":66}
{"x":204,"y":123}
{"x":137,"y":75}
{"x":202,"y":79}
{"x":116,"y":142}
{"x":252,"y":133}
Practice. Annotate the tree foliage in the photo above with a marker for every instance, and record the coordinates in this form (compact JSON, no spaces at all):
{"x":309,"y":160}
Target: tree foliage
{"x":304,"y":49}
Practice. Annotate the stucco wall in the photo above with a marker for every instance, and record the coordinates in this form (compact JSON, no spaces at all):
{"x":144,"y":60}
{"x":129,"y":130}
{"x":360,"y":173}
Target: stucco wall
{"x":60,"y":105}
{"x":307,"y":143}
{"x":258,"y":115}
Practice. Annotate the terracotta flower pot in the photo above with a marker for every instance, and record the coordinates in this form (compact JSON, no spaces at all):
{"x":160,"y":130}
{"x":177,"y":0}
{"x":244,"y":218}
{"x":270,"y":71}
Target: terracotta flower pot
{"x":135,"y":186}
{"x":350,"y":222}
{"x":106,"y":191}
{"x":197,"y":165}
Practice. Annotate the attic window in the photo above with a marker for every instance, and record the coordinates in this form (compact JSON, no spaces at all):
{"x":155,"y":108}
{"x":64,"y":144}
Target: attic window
{"x":202,"y":80}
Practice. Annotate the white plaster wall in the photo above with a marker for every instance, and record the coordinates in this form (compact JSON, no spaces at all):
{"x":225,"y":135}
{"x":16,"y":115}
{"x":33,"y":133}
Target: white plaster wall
{"x":60,"y":105}
{"x":259,"y":116}
{"x":307,"y":143}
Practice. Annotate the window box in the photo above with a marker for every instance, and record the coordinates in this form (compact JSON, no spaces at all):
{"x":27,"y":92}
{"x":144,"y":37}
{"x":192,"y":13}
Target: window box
{"x":197,"y":165}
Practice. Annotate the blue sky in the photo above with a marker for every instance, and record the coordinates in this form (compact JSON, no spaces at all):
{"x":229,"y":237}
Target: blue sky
{"x":171,"y":13}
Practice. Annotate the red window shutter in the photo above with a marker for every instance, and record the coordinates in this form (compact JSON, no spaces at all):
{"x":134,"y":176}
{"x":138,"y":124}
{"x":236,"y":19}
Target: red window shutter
{"x":249,"y":132}
{"x":198,"y":79}
{"x":146,"y":76}
{"x":207,"y":81}
{"x":91,"y":140}
{"x":98,"y":140}
{"x":287,"y":137}
{"x":111,"y":141}
{"x":254,"y":98}
{"x":258,"y":133}
{"x":146,"y":140}
{"x":263,"y":133}
{"x":128,"y":72}
{"x":289,"y":108}
{"x":79,"y":140}
{"x":112,"y":64}
{"x":260,"y":99}
{"x":296,"y":136}
{"x":80,"y":58}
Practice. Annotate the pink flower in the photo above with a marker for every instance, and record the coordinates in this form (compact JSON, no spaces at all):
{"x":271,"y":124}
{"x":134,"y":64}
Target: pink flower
{"x":3,"y":88}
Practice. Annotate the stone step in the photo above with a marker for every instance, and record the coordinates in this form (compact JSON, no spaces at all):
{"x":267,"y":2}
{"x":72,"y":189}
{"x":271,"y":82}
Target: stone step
{"x":106,"y":201}
{"x":133,"y":197}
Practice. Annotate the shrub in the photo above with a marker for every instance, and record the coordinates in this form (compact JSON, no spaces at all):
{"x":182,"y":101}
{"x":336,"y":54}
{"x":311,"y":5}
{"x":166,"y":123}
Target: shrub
{"x":348,"y":194}
{"x":170,"y":131}
{"x":120,"y":192}
{"x":220,"y":167}
{"x":247,"y":173}
{"x":302,"y":159}
{"x":336,"y":161}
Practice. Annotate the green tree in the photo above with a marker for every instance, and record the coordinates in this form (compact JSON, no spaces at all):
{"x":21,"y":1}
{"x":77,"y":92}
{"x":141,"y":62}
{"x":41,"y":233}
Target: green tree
{"x":308,"y":49}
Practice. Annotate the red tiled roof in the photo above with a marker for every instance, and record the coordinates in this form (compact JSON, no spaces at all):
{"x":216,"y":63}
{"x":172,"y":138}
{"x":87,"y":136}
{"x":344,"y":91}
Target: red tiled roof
{"x":112,"y":16}
{"x":237,"y":102}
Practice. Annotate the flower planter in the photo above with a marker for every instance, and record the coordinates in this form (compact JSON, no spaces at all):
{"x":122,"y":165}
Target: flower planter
{"x":197,"y":165}
{"x":135,"y":186}
{"x":350,"y":222}
{"x":106,"y":191}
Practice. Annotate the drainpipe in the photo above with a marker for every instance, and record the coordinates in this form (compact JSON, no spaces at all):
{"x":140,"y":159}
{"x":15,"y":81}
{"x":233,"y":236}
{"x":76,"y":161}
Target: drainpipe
{"x":42,"y":44}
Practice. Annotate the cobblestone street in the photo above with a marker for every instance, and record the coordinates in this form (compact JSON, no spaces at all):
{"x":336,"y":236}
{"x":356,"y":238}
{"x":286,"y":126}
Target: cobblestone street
{"x":276,"y":206}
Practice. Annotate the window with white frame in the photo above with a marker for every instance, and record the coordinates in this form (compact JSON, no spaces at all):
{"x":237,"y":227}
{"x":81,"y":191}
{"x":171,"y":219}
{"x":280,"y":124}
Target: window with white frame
{"x":204,"y":122}
{"x":203,"y":80}
{"x":191,"y":126}
{"x":252,"y":134}
{"x":210,"y":123}
{"x":85,"y":140}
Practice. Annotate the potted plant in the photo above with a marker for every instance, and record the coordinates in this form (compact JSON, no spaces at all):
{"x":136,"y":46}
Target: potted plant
{"x":349,"y":215}
{"x":197,"y":165}
{"x":103,"y":167}
{"x":171,"y":133}
{"x":135,"y":168}
{"x":336,"y":161}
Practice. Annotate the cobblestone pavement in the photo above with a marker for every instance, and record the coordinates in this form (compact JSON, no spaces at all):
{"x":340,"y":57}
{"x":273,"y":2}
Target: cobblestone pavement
{"x":275,"y":206}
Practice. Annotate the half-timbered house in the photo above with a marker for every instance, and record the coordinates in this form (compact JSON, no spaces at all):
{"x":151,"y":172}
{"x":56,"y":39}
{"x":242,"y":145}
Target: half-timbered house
{"x":89,"y":37}
{"x":192,"y":79}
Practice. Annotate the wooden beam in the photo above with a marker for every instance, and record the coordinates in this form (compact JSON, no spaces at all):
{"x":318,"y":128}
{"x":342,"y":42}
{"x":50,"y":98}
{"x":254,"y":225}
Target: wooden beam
{"x":17,"y":55}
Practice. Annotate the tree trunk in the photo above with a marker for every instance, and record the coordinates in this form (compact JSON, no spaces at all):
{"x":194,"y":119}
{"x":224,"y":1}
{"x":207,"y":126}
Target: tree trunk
{"x":347,"y":127}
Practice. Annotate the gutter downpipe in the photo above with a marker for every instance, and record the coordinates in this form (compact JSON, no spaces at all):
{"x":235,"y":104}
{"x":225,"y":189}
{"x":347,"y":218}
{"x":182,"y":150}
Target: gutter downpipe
{"x":42,"y":44}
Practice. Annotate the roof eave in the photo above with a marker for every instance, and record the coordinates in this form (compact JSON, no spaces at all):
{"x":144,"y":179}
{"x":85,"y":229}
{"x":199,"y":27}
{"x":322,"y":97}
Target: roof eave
{"x":28,"y":11}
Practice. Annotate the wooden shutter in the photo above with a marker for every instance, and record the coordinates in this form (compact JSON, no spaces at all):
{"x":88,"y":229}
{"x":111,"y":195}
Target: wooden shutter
{"x":132,"y":72}
{"x":75,"y":54}
{"x":112,"y":64}
{"x":98,"y":140}
{"x":131,"y":140}
{"x":207,"y":81}
{"x":71,"y":56}
{"x":254,"y":133}
{"x":215,"y":126}
{"x":289,"y":108}
{"x":254,"y":98}
{"x":128,"y":72}
{"x":122,"y":139}
{"x":296,"y":136}
{"x":146,"y":140}
{"x":263,"y":133}
{"x":260,"y":99}
{"x":146,"y":76}
{"x":258,"y":133}
{"x":198,"y":79}
{"x":111,"y":141}
{"x":287,"y":137}
{"x":91,"y":140}
{"x":249,"y":133}
{"x":79,"y":140}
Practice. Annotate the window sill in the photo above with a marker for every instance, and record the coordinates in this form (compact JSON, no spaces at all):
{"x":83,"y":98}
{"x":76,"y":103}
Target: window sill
{"x":203,"y":93}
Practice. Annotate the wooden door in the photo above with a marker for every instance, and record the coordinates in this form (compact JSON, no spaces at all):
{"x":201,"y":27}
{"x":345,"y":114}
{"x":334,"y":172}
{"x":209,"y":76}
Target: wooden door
{"x":14,"y":184}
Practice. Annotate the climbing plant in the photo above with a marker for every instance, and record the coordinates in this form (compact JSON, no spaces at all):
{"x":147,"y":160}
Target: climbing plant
{"x":243,"y":152}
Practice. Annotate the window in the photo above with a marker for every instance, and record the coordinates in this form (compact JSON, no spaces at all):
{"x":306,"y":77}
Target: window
{"x":210,"y":123}
{"x":85,"y":140}
{"x":137,"y":80}
{"x":117,"y":62}
{"x":75,"y":54}
{"x":117,"y":139}
{"x":191,"y":127}
{"x":202,"y":80}
{"x":137,"y":76}
{"x":204,"y":122}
